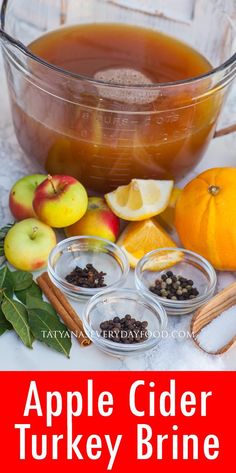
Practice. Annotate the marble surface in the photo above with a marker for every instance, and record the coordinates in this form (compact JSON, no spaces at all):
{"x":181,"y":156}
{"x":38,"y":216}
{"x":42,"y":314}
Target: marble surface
{"x":175,"y":352}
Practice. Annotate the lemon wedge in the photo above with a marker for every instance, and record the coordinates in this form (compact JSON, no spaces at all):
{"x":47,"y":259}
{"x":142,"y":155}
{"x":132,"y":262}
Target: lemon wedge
{"x":167,"y":217}
{"x":141,"y":199}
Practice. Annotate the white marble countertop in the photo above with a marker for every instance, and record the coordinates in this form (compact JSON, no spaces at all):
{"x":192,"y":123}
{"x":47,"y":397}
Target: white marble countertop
{"x":172,"y":353}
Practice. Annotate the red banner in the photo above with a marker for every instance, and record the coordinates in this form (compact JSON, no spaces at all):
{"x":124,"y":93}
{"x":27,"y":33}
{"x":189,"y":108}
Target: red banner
{"x":105,"y":421}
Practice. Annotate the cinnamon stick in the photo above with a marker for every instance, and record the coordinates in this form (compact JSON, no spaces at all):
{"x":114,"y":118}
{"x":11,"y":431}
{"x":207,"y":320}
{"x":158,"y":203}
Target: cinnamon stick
{"x":225,"y":131}
{"x":63,"y":308}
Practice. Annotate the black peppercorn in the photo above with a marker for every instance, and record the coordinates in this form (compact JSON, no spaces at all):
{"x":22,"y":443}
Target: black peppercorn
{"x":125,"y":330}
{"x":174,"y":287}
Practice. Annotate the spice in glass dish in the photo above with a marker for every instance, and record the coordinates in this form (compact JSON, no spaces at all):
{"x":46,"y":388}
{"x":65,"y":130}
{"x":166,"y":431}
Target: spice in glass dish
{"x":174,"y":287}
{"x":125,"y":330}
{"x":88,"y":277}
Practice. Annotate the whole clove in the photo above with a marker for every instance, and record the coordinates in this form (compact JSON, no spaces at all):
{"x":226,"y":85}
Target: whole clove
{"x":88,"y":277}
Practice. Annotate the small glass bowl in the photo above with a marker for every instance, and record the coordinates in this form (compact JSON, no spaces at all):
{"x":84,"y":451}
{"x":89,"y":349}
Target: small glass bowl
{"x":118,"y":303}
{"x":79,"y":251}
{"x":185,"y":263}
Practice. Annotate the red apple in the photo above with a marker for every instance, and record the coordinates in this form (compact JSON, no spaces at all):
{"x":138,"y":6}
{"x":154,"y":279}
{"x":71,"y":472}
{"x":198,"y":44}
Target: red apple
{"x":99,"y":221}
{"x":60,"y":201}
{"x":22,"y":194}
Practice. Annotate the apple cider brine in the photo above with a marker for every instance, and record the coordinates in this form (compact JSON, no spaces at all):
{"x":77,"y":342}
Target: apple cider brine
{"x":103,"y":134}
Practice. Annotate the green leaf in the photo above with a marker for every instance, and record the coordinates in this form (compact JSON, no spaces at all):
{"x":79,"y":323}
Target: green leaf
{"x":16,"y":314}
{"x":35,"y":303}
{"x":3,"y":233}
{"x":47,"y":328}
{"x":2,"y":330}
{"x":34,"y":291}
{"x":4,"y":230}
{"x":3,"y":273}
{"x":21,"y":280}
{"x":4,"y":324}
{"x":6,"y":282}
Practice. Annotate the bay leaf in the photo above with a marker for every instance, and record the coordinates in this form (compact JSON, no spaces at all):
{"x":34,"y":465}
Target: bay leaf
{"x":4,"y":230}
{"x":47,"y":328}
{"x":34,"y":291}
{"x":16,"y":314}
{"x":35,"y":303}
{"x":2,"y":330}
{"x":6,"y":282}
{"x":21,"y":280}
{"x":4,"y":324}
{"x":3,"y":273}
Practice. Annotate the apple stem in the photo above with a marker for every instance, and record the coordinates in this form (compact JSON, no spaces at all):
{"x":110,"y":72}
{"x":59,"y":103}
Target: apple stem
{"x":52,"y":183}
{"x":35,"y":230}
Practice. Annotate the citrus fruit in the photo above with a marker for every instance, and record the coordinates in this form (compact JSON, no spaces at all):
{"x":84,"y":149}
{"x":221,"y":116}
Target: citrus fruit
{"x":164,"y":260}
{"x":206,"y":218}
{"x":139,"y":238}
{"x":141,"y":199}
{"x":167,"y":218}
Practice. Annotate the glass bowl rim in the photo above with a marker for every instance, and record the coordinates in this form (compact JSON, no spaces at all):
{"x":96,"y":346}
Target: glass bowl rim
{"x":152,"y":302}
{"x":168,"y":302}
{"x":77,"y":290}
{"x":230,"y":62}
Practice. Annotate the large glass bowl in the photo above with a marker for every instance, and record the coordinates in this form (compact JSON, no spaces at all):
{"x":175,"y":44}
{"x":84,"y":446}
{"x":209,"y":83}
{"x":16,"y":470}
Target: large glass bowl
{"x":105,"y":133}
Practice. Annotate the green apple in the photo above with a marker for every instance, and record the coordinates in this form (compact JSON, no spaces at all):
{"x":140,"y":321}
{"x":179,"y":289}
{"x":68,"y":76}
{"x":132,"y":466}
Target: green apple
{"x":60,"y":201}
{"x":28,"y":244}
{"x":22,"y":194}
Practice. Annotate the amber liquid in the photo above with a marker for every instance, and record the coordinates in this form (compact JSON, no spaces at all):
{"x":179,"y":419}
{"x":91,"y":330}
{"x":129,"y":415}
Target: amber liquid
{"x":100,"y":136}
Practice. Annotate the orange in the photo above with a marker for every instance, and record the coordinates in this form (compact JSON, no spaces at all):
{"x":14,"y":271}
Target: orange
{"x":205,"y":217}
{"x":163,"y":260}
{"x":139,"y":238}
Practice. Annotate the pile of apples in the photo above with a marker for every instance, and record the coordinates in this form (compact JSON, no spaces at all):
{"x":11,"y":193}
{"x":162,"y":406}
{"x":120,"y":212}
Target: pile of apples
{"x":41,"y":203}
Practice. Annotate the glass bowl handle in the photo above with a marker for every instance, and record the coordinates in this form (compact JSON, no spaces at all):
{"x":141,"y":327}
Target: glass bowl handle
{"x":229,"y":111}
